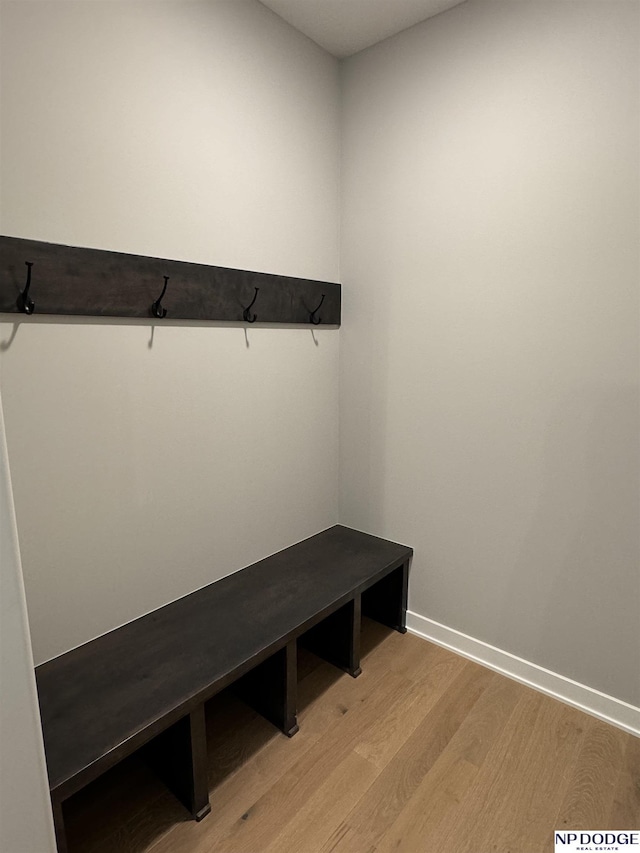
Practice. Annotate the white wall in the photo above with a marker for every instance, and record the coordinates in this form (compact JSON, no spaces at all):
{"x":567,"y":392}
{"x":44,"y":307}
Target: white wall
{"x":147,"y":465}
{"x":490,"y":341}
{"x":26,"y":825}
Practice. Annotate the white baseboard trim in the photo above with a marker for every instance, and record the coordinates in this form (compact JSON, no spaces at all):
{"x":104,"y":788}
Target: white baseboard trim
{"x":614,"y":711}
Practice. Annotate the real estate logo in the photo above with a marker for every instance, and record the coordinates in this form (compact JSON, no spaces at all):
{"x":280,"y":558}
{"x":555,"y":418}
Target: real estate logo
{"x":611,"y":840}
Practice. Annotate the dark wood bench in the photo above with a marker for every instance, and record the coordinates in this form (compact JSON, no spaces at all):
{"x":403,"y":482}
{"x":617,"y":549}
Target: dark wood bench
{"x":144,"y":685}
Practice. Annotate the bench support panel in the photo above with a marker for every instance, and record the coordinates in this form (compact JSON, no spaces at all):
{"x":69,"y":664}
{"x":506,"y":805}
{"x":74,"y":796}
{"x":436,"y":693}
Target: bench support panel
{"x":337,"y":638}
{"x":386,"y":600}
{"x":179,"y":757}
{"x":58,"y":825}
{"x":271,"y":689}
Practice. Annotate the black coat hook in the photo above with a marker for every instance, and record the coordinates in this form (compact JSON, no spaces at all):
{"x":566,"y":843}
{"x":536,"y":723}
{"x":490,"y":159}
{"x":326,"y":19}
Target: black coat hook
{"x":25,"y":304}
{"x":312,"y":316}
{"x":156,"y":309}
{"x":245,"y":314}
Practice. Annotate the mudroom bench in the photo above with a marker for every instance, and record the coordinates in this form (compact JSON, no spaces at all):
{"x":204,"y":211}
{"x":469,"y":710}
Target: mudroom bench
{"x":144,"y":685}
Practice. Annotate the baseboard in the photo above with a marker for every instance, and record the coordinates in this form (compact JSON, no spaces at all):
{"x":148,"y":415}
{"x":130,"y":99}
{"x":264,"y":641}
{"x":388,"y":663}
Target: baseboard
{"x":591,"y":701}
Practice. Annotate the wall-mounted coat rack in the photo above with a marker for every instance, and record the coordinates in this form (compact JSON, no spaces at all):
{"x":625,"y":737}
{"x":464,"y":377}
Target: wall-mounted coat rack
{"x":47,"y":278}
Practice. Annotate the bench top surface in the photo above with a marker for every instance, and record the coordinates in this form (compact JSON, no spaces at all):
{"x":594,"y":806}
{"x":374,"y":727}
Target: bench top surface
{"x":97,"y":698}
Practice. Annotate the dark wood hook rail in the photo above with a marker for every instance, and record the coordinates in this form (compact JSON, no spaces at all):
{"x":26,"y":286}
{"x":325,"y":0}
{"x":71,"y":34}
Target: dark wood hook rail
{"x":98,"y":283}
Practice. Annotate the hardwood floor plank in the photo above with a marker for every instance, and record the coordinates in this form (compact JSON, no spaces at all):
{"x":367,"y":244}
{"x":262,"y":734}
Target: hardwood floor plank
{"x":513,"y":802}
{"x":406,"y":770}
{"x":589,"y":801}
{"x":329,"y":805}
{"x":443,"y":789}
{"x":523,"y":818}
{"x":459,"y":826}
{"x":432,"y":677}
{"x":625,"y":809}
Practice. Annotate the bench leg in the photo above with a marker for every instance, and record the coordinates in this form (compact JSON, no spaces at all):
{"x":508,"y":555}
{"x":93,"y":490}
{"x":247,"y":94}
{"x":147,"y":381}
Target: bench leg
{"x":179,"y":757}
{"x":271,"y":689}
{"x":386,"y":600}
{"x":337,"y":638}
{"x":58,"y":825}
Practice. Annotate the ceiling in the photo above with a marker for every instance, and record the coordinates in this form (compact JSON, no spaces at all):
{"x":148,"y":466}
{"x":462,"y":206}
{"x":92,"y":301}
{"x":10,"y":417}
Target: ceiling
{"x":343,"y":27}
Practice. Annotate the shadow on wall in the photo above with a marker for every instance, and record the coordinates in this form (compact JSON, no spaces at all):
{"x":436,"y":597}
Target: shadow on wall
{"x":6,"y":342}
{"x":575,"y":595}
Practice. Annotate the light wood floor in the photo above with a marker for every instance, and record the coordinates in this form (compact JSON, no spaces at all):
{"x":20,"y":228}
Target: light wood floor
{"x":425,"y":752}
